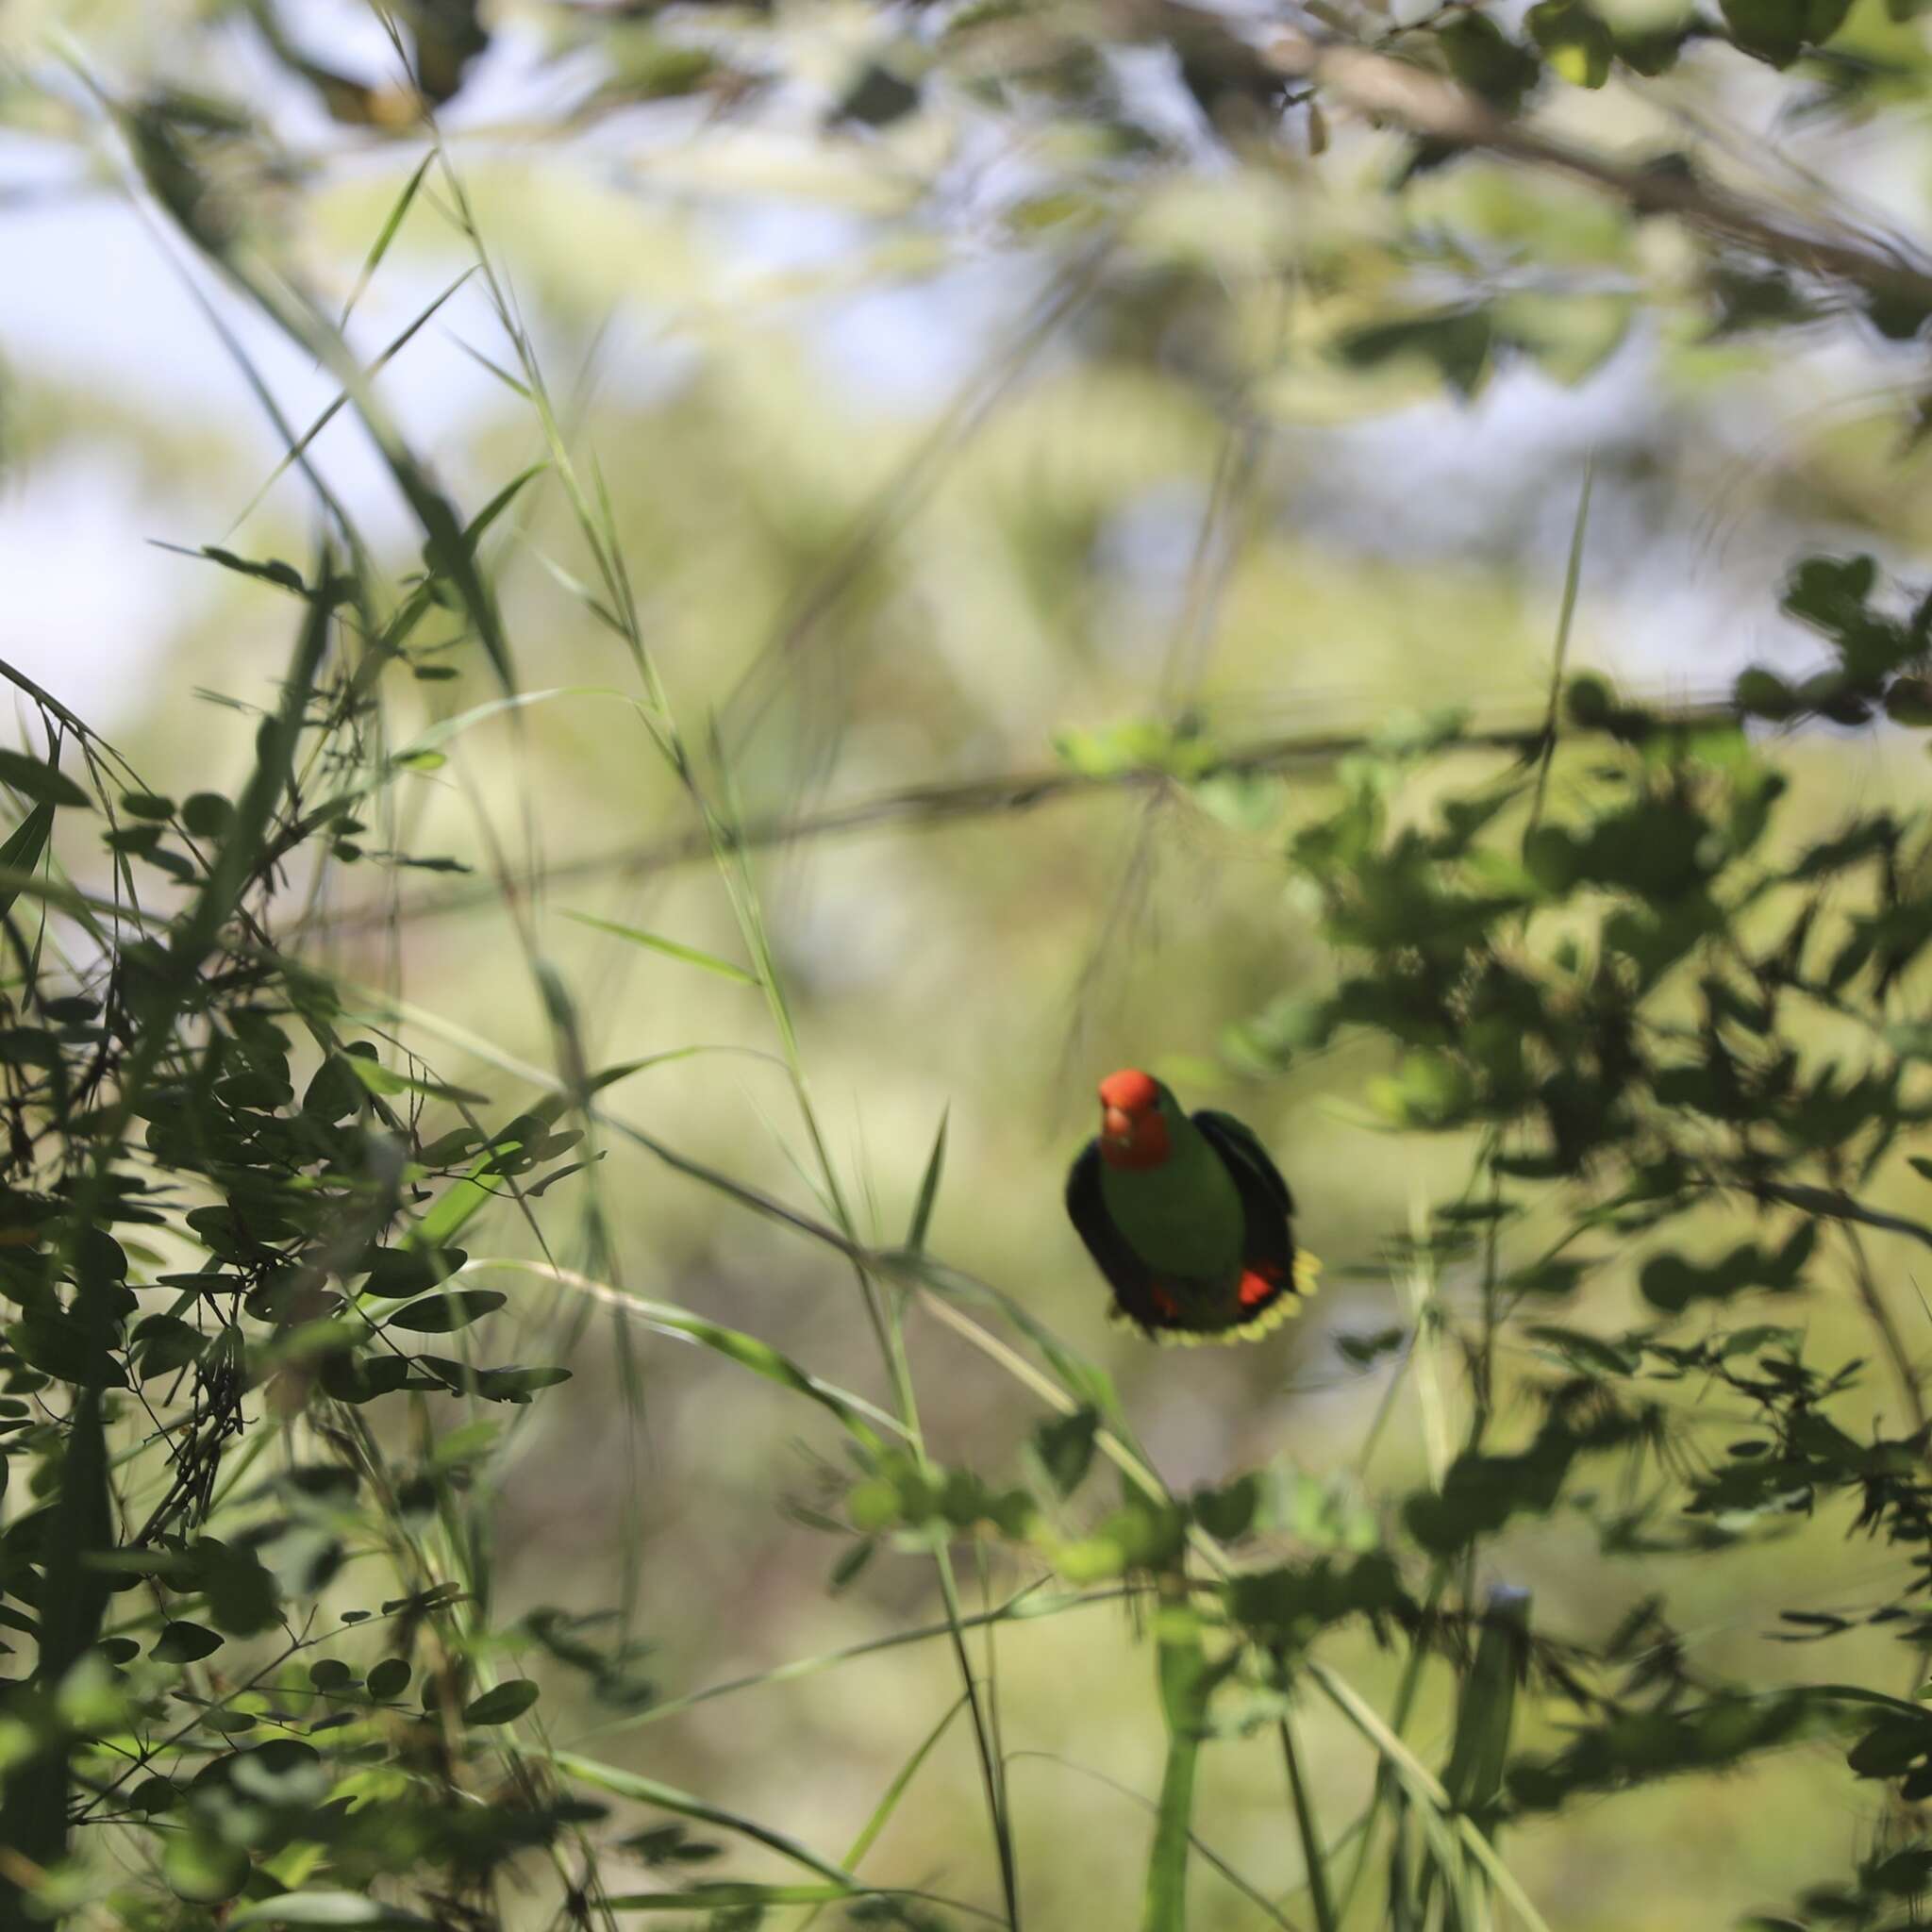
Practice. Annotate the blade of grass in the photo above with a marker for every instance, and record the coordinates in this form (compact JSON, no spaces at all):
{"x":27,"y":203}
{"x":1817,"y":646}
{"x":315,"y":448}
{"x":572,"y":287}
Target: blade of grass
{"x":1572,"y":574}
{"x":928,"y":1189}
{"x":474,"y":530}
{"x":882,"y":1813}
{"x":883,"y":1810}
{"x":724,"y":1895}
{"x":1204,"y":1851}
{"x":495,"y":369}
{"x":1315,"y":1859}
{"x":747,"y":1351}
{"x":671,"y":949}
{"x":299,"y":448}
{"x":1020,"y":1607}
{"x":1120,"y":1452}
{"x":20,"y":858}
{"x":730,"y":1897}
{"x":297,"y":317}
{"x":1427,"y":1787}
{"x":648,"y":1790}
{"x":398,"y":213}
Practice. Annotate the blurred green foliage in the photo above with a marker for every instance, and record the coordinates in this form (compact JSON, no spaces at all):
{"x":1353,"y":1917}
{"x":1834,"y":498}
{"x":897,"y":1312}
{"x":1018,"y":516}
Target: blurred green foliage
{"x":994,"y":541}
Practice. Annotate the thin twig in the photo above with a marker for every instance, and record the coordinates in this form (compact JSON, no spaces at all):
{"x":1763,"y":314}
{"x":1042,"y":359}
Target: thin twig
{"x":1386,"y":89}
{"x":921,"y":808}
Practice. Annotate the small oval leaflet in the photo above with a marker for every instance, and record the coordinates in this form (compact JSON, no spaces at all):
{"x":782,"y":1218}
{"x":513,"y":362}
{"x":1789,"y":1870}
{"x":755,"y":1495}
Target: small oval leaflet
{"x":43,"y":783}
{"x":502,"y":1705}
{"x":184,"y":1643}
{"x":444,"y":1314}
{"x":389,"y":1680}
{"x":208,"y":814}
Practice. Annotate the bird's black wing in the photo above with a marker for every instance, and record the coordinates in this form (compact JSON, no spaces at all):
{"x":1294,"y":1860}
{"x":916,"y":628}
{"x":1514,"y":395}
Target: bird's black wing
{"x":1268,"y":1243}
{"x":1136,"y":1292}
{"x":1238,"y":1143}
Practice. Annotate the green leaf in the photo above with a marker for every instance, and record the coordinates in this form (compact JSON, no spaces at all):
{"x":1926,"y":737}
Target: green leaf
{"x":386,"y":1080}
{"x":22,"y":854}
{"x":60,"y":1346}
{"x":335,"y":1091}
{"x":504,"y":1705}
{"x":203,"y":1870}
{"x":1457,"y":341}
{"x":1765,"y":695}
{"x":1575,"y":39}
{"x":165,"y":1343}
{"x":1063,"y":1446}
{"x":389,"y":1680}
{"x":877,"y":96}
{"x":241,"y":1595}
{"x":184,"y":1643}
{"x":283,"y":576}
{"x":670,"y":948}
{"x":1773,"y":30}
{"x":494,"y":1385}
{"x":1487,"y":62}
{"x":444,"y":1314}
{"x":395,"y":1274}
{"x":208,"y":814}
{"x":1485,"y":1704}
{"x":43,"y":783}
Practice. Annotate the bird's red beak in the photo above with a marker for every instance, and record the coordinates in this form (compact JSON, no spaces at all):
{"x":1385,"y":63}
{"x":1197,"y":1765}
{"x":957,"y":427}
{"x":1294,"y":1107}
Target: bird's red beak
{"x":1117,"y":1125}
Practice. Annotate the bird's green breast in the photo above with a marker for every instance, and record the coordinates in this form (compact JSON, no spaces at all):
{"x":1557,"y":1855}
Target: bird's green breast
{"x":1184,"y":1217}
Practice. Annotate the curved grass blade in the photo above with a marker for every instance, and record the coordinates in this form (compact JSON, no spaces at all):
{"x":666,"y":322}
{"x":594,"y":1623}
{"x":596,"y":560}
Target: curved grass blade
{"x":747,"y":1351}
{"x":1314,"y":1858}
{"x":297,"y":450}
{"x":730,"y":1896}
{"x":725,"y":1895}
{"x":671,"y":949}
{"x":647,"y":1790}
{"x":478,"y":524}
{"x":373,"y":260}
{"x":1090,"y":1385}
{"x":896,"y":1789}
{"x":1202,"y":1848}
{"x":1432,"y":1800}
{"x":928,"y":1189}
{"x":22,"y":854}
{"x":1021,"y":1607}
{"x":440,"y":734}
{"x":883,"y":1812}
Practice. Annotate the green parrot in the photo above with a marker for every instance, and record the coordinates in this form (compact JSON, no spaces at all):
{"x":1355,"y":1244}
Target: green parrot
{"x":1187,"y":1217}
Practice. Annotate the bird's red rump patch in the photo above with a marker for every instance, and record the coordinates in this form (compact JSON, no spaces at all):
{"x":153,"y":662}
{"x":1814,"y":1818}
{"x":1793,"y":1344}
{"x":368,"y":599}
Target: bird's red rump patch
{"x":1258,"y":1284}
{"x":1165,"y":1303}
{"x":1129,"y":1089}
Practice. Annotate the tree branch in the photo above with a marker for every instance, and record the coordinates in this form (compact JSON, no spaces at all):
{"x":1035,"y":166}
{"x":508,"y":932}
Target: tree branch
{"x":922,"y":807}
{"x":1388,"y":89}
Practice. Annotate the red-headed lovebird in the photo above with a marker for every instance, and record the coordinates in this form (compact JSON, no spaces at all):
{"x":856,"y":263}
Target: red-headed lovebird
{"x":1187,"y":1217}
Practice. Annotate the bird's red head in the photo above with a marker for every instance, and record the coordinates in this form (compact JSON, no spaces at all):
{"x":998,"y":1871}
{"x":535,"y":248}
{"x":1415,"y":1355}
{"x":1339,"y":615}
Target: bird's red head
{"x":1133,"y":1130}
